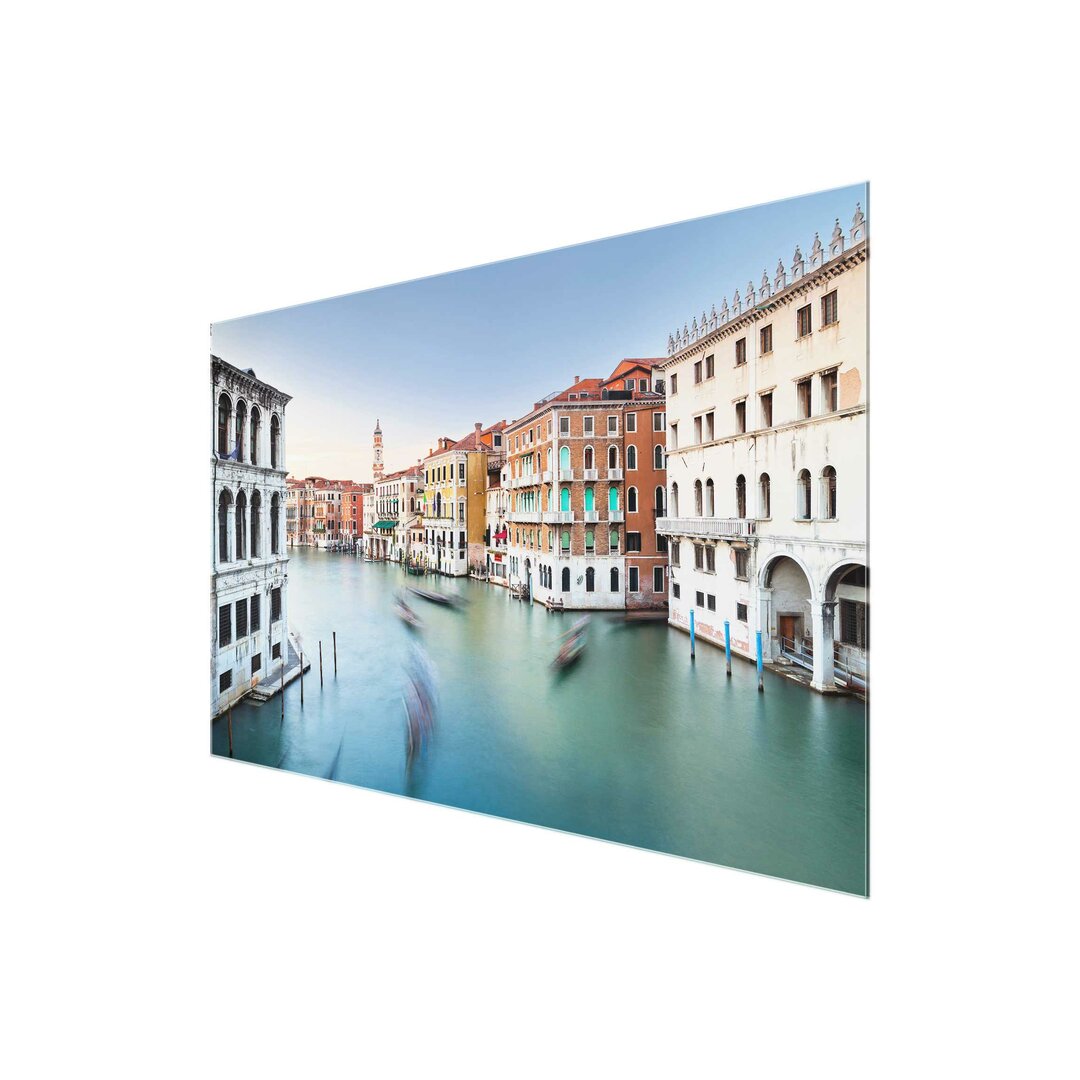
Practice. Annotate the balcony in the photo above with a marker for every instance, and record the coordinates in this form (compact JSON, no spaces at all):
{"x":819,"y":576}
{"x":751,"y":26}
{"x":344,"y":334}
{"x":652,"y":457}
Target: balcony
{"x":546,"y":475}
{"x":590,"y":474}
{"x":566,"y":474}
{"x":592,"y":515}
{"x":711,"y":528}
{"x":614,"y":474}
{"x":525,"y":517}
{"x":616,"y":515}
{"x":558,"y":517}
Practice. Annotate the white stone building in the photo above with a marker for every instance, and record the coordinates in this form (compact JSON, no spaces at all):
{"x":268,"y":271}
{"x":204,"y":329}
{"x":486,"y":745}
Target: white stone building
{"x":249,"y":581}
{"x":767,"y":457}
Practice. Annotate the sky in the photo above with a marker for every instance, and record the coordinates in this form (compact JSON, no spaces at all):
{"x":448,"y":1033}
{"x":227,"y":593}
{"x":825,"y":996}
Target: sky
{"x":434,"y":356}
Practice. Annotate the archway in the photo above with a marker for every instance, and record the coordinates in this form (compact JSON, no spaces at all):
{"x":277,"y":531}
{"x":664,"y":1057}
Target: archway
{"x":790,"y":618}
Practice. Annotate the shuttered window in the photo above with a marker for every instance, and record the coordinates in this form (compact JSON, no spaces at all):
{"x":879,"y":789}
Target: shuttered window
{"x":241,"y":618}
{"x":828,"y":309}
{"x":256,"y":611}
{"x":275,"y":604}
{"x":224,"y":624}
{"x":803,"y":321}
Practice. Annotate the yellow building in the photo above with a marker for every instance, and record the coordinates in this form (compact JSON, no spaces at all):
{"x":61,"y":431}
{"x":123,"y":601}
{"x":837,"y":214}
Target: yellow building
{"x":455,"y":501}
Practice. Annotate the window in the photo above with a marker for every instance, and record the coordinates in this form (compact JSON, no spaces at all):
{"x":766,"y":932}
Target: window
{"x":766,"y":339}
{"x":241,"y":420}
{"x":675,"y":436}
{"x":803,"y":389}
{"x":700,"y":599}
{"x":658,"y":500}
{"x":740,"y":352}
{"x":710,"y":602}
{"x":224,"y":625}
{"x":710,"y":558}
{"x":241,"y":525}
{"x":633,"y":541}
{"x":699,"y":557}
{"x":658,"y":457}
{"x":697,"y":499}
{"x":223,"y":414}
{"x":256,"y":523}
{"x":740,"y":496}
{"x":659,"y":421}
{"x":613,"y":425}
{"x":631,"y":500}
{"x":765,"y":496}
{"x":564,"y":425}
{"x":710,"y":426}
{"x":241,"y":619}
{"x":855,"y":624}
{"x":590,"y":541}
{"x":674,"y":500}
{"x":740,"y":612}
{"x":697,"y":372}
{"x":461,"y":510}
{"x":709,"y":367}
{"x":588,"y":464}
{"x":590,"y":579}
{"x":566,"y":572}
{"x":828,"y":390}
{"x":275,"y":651}
{"x":661,"y":543}
{"x":802,"y":321}
{"x":674,"y":384}
{"x":224,"y":502}
{"x":256,"y":611}
{"x":802,"y":496}
{"x":631,"y":457}
{"x":614,"y":578}
{"x":658,"y":579}
{"x":256,"y":662}
{"x":564,"y":540}
{"x":676,"y":591}
{"x":675,"y":553}
{"x":710,"y":498}
{"x":224,"y":681}
{"x":613,"y":541}
{"x":256,"y":426}
{"x":629,"y":384}
{"x":275,"y":440}
{"x":742,"y":563}
{"x":766,"y":409}
{"x":632,"y":583}
{"x":828,"y":493}
{"x":740,"y":417}
{"x":828,"y":309}
{"x":697,"y":429}
{"x":631,"y":421}
{"x":275,"y":605}
{"x":587,"y":425}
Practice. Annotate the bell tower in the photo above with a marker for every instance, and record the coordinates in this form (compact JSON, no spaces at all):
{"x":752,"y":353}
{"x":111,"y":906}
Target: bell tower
{"x":377,"y":465}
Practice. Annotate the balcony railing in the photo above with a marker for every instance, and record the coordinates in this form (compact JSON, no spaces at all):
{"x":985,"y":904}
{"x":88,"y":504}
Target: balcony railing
{"x":592,"y":515}
{"x":616,"y":515}
{"x":590,"y":474}
{"x":559,"y":517}
{"x":546,"y":476}
{"x":614,"y":474}
{"x":525,"y":517}
{"x":718,"y":528}
{"x":566,"y":474}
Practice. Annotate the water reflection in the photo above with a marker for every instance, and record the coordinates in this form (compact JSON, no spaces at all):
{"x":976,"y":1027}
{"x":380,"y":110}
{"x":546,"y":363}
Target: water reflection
{"x":631,"y":743}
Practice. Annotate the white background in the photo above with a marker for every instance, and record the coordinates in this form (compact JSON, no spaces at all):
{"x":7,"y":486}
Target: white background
{"x":173,"y":915}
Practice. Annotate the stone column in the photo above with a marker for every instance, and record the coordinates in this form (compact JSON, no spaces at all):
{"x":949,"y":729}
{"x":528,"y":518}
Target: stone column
{"x":764,"y":616}
{"x":822,"y":614}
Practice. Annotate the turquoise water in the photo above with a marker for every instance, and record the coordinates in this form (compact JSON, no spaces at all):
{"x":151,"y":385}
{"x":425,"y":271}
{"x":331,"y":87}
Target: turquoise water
{"x":634,"y":744}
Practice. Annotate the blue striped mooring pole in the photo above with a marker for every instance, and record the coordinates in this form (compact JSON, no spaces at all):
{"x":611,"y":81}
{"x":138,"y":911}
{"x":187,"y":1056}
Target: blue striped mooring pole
{"x":691,"y":633}
{"x":727,"y":645}
{"x":760,"y":672}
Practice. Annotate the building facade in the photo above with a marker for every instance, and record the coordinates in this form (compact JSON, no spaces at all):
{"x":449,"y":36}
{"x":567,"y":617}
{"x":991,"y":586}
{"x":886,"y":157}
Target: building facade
{"x":573,"y":539}
{"x":396,"y":512}
{"x":249,"y":580}
{"x":766,"y":505}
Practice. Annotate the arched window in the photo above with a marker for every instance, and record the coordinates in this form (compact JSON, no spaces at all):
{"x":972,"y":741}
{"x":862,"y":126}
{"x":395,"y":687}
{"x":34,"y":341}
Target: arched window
{"x":590,"y":540}
{"x":549,"y":458}
{"x":241,"y":524}
{"x":674,"y":500}
{"x":241,"y":423}
{"x":697,"y":498}
{"x":613,"y":541}
{"x":256,"y":523}
{"x":613,"y":457}
{"x":710,"y":498}
{"x":765,"y":496}
{"x":589,"y":458}
{"x":256,"y":431}
{"x":828,"y":493}
{"x":461,"y":510}
{"x":564,"y":540}
{"x":590,"y":499}
{"x":740,"y":496}
{"x":658,"y":456}
{"x":658,"y":501}
{"x":564,"y":457}
{"x":224,"y":410}
{"x":614,"y":579}
{"x":631,"y":500}
{"x":802,"y":496}
{"x":224,"y":502}
{"x":613,"y":498}
{"x":631,"y":457}
{"x":275,"y":514}
{"x":275,"y":442}
{"x":564,"y":499}
{"x":566,"y":579}
{"x":590,"y":579}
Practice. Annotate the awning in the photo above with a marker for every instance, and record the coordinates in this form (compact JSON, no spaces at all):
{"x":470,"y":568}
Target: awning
{"x":385,"y":524}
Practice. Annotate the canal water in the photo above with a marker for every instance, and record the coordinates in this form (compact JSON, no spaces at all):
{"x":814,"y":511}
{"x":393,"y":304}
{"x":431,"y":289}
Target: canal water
{"x":633,"y":744}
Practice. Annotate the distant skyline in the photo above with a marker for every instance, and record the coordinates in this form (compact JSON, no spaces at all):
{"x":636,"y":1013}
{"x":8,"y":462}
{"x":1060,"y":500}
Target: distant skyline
{"x":433,"y":356}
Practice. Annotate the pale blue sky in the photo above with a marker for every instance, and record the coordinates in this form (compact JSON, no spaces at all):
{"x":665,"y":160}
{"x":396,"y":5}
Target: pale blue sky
{"x":433,"y":356}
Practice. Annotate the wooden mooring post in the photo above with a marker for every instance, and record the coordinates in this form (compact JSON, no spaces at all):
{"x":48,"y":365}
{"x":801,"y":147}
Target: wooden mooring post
{"x":320,"y":665}
{"x":727,"y":646}
{"x":760,"y":673}
{"x":230,"y":729}
{"x":283,"y":655}
{"x":335,"y":654}
{"x":301,"y":678}
{"x":691,"y":633}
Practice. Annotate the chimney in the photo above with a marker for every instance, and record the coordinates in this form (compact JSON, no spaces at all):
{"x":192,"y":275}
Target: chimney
{"x":479,"y":428}
{"x":577,"y":379}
